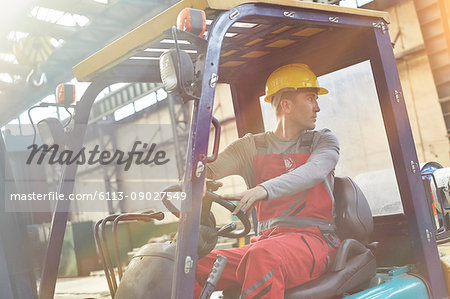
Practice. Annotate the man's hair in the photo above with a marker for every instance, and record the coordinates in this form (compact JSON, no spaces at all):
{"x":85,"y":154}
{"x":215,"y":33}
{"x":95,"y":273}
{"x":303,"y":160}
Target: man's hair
{"x":290,"y":96}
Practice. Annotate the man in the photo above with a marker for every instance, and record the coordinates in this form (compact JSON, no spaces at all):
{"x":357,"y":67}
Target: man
{"x":291,"y":175}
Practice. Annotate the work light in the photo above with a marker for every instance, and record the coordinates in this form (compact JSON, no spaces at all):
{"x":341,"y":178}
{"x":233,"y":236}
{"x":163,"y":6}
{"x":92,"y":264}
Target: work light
{"x":177,"y":72}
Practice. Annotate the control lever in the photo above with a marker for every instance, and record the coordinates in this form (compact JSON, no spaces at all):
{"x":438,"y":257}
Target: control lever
{"x":227,"y":228}
{"x":213,"y":277}
{"x":212,"y":186}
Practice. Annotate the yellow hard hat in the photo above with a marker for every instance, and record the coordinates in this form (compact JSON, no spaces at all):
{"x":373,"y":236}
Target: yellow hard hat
{"x":297,"y":75}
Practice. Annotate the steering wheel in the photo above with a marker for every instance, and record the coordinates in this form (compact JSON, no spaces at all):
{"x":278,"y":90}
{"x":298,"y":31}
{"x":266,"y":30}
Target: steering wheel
{"x":228,"y":230}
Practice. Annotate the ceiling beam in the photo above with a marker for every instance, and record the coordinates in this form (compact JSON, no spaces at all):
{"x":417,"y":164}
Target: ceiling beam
{"x":88,"y":8}
{"x":13,"y":69}
{"x":35,"y":26}
{"x":108,"y":27}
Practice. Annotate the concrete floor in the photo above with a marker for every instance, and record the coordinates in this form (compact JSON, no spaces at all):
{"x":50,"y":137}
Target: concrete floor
{"x":89,"y":287}
{"x":95,"y":285}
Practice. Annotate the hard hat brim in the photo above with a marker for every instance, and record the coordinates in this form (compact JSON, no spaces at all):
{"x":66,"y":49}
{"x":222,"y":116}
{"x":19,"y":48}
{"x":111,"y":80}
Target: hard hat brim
{"x":320,"y":91}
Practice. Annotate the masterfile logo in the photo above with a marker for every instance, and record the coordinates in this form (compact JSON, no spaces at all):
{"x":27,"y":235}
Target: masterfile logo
{"x":141,"y":153}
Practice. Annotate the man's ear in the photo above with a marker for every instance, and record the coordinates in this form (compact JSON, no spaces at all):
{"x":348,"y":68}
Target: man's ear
{"x":285,"y":105}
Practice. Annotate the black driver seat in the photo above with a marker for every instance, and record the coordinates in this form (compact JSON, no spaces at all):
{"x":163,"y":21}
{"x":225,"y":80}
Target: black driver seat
{"x":354,"y":265}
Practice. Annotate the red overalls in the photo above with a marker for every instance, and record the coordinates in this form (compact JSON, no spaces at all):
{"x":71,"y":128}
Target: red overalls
{"x":290,"y":250}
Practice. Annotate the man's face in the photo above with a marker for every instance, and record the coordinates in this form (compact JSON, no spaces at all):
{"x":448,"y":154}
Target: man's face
{"x":304,"y":109}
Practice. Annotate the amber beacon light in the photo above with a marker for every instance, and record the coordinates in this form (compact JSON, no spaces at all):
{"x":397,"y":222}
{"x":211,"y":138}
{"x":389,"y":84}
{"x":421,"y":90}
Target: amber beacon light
{"x":192,"y":21}
{"x":65,"y":94}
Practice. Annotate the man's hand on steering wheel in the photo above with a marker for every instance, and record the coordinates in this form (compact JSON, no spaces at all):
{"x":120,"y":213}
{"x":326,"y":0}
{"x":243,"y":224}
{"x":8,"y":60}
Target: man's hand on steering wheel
{"x":208,"y":198}
{"x":247,"y":199}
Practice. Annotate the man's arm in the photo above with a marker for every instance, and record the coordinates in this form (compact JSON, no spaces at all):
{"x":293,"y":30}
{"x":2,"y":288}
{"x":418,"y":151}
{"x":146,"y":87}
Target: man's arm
{"x":320,"y":164}
{"x":233,"y":160}
{"x":237,"y":158}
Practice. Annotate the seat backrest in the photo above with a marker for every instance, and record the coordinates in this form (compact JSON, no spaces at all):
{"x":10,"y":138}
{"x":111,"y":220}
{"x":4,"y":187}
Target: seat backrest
{"x":354,"y":265}
{"x":353,"y":215}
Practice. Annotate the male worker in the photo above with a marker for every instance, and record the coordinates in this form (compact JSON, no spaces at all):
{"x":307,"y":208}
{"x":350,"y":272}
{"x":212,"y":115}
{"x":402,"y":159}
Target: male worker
{"x":291,"y":172}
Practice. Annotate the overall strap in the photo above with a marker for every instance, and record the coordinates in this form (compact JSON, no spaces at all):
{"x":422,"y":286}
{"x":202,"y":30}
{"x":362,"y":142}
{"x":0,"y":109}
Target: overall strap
{"x":300,"y":222}
{"x":261,"y":144}
{"x":261,"y":149}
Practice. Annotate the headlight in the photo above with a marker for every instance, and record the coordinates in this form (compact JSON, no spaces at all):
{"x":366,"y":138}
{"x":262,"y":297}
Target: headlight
{"x":170,"y":74}
{"x":168,"y":71}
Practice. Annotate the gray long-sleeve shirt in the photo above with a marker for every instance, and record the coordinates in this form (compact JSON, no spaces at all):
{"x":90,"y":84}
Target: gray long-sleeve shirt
{"x":237,"y":159}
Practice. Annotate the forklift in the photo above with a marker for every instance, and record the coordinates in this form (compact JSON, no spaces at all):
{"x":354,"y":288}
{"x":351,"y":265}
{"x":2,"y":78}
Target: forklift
{"x":326,"y":37}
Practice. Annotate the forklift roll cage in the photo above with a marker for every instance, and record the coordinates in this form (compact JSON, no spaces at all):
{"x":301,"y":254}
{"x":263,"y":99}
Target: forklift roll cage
{"x":326,"y":37}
